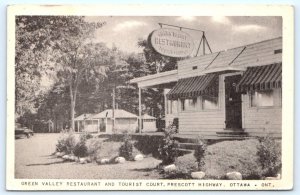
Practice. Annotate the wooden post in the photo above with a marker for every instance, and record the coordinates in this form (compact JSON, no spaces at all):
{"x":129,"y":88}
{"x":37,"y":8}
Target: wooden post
{"x":140,"y":110}
{"x":113,"y":111}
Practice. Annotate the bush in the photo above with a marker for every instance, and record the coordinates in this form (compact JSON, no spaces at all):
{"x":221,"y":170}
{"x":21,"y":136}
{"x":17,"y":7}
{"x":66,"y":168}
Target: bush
{"x":126,"y":149}
{"x":85,"y":136}
{"x":81,"y":149}
{"x":66,"y":143}
{"x":269,"y":156}
{"x":200,"y":153}
{"x":94,"y":146}
{"x":168,"y":148}
{"x":185,"y":165}
{"x":148,"y":144}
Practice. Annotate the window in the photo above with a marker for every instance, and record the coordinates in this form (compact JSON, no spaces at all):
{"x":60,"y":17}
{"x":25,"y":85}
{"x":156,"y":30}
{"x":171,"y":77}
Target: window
{"x":210,"y":102}
{"x":262,"y":98}
{"x":188,"y":104}
{"x":172,"y":107}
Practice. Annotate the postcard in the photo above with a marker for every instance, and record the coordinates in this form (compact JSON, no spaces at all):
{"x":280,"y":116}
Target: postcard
{"x":150,"y":97}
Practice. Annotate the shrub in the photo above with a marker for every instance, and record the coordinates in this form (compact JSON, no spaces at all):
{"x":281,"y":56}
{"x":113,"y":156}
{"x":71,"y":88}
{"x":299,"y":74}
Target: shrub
{"x":126,"y":149}
{"x":66,"y":143}
{"x":269,"y":156}
{"x":168,"y":148}
{"x":148,"y":144}
{"x":185,"y":165}
{"x":94,"y":146}
{"x":80,"y":149}
{"x":200,"y":153}
{"x":85,"y":136}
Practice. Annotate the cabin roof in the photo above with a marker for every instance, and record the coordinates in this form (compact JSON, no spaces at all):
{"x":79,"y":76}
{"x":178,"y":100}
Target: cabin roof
{"x":83,"y":117}
{"x":119,"y":113}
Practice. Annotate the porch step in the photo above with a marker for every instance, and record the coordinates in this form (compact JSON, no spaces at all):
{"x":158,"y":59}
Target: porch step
{"x":187,"y":139}
{"x":188,"y":146}
{"x":232,"y":133}
{"x":182,"y":152}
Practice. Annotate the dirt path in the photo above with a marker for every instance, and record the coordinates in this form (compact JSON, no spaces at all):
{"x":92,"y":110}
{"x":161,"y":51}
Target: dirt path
{"x":34,"y":161}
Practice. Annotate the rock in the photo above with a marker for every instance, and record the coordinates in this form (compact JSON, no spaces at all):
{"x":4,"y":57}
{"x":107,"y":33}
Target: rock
{"x":88,"y":159}
{"x":60,"y":154}
{"x":120,"y":159}
{"x":104,"y":161}
{"x":66,"y":157}
{"x":234,"y":176}
{"x":72,"y":158}
{"x":82,"y":160}
{"x":138,"y":157}
{"x":274,"y":178}
{"x":170,"y":168}
{"x":198,"y":175}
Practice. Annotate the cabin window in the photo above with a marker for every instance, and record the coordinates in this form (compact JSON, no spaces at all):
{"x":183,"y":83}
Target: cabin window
{"x":262,"y":98}
{"x":172,"y":107}
{"x":210,"y":102}
{"x":188,"y":104}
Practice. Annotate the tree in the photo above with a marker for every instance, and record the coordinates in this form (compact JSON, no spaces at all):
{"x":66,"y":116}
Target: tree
{"x":156,"y":61}
{"x":44,"y":43}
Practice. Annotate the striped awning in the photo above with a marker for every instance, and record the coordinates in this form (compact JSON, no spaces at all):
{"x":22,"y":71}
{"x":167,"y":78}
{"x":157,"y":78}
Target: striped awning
{"x":194,"y":86}
{"x":261,"y":78}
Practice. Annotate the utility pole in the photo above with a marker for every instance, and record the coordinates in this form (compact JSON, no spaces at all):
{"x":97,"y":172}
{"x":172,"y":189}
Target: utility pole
{"x":113,"y":109}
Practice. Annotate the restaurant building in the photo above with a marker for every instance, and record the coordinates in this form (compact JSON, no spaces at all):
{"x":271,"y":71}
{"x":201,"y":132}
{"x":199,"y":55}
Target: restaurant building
{"x":237,"y":90}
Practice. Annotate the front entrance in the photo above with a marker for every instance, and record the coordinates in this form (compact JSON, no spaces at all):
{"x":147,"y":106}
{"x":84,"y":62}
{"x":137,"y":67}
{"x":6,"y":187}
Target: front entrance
{"x":233,"y":103}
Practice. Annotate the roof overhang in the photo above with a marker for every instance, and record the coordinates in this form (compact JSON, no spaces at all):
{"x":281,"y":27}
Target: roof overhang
{"x":155,"y":80}
{"x":223,"y":69}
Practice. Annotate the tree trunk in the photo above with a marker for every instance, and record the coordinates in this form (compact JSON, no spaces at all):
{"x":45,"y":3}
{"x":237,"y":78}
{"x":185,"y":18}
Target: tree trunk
{"x":72,"y":114}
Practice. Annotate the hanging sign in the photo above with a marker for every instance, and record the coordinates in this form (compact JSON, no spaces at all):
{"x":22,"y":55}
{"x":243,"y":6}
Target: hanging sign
{"x":172,"y":42}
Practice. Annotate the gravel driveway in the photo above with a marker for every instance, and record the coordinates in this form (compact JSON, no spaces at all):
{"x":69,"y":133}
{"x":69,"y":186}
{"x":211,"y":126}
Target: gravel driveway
{"x":34,"y":161}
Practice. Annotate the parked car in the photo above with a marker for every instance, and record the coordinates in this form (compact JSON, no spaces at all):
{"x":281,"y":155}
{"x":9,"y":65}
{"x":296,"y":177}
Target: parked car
{"x":23,"y":132}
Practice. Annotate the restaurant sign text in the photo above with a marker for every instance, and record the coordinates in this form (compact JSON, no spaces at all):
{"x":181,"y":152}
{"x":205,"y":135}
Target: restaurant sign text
{"x":172,"y":42}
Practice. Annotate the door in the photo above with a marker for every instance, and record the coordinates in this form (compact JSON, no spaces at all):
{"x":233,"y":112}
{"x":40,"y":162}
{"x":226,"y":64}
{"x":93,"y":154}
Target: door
{"x":233,"y":103}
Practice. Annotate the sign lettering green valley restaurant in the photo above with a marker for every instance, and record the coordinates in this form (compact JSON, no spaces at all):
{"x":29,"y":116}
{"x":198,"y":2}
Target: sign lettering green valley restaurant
{"x":172,"y":42}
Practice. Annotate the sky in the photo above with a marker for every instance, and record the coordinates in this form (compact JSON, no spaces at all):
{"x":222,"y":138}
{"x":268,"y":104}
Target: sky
{"x":221,"y":32}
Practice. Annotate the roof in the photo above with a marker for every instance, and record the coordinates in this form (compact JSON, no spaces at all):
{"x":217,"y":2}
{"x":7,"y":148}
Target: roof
{"x":261,"y":78}
{"x":147,"y":116}
{"x":257,"y":54}
{"x":193,"y":86}
{"x":83,"y":117}
{"x":119,"y":113}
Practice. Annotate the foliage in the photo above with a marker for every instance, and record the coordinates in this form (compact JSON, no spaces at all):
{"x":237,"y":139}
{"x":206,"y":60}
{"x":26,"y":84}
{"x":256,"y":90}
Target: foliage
{"x":148,"y":144}
{"x":228,"y":156}
{"x":85,"y":136}
{"x":80,"y":149}
{"x":185,"y":165}
{"x":94,"y":146}
{"x":269,"y":156}
{"x":168,"y":148}
{"x":200,"y":153}
{"x":126,"y":149}
{"x":156,"y":61}
{"x":66,"y":143}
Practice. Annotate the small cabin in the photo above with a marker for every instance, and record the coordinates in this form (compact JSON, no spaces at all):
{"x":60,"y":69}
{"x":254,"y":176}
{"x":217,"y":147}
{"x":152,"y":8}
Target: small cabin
{"x":234,"y":91}
{"x":124,"y":121}
{"x":148,"y":123}
{"x":84,"y":123}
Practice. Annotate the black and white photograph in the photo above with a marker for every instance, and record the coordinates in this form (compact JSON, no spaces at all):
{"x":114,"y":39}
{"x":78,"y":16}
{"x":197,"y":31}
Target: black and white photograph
{"x":149,"y":101}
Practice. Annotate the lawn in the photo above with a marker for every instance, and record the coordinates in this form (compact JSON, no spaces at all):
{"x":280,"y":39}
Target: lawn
{"x":34,"y":159}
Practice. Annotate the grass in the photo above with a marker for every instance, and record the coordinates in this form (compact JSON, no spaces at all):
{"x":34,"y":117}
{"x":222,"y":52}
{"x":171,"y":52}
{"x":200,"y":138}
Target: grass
{"x":224,"y":157}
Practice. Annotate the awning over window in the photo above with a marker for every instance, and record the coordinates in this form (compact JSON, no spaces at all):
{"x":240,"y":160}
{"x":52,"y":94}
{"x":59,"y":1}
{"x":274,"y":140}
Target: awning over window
{"x":194,"y":86}
{"x":261,"y":78}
